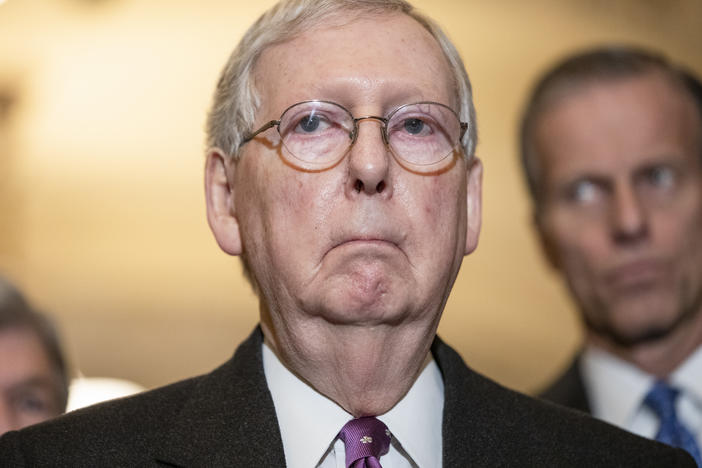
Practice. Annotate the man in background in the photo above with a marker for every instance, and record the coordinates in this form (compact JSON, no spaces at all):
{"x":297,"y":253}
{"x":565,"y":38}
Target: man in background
{"x":33,"y":375}
{"x":611,"y":145}
{"x":341,"y":169}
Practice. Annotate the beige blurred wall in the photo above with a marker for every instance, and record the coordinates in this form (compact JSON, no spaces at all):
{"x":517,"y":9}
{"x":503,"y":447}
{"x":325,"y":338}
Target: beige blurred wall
{"x":102,"y":221}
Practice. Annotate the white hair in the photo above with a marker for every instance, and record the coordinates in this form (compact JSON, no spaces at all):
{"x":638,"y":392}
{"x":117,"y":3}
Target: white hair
{"x":236,"y":100}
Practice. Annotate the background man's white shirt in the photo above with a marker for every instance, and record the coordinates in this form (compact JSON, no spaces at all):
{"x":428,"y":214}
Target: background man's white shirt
{"x":616,"y":390}
{"x":310,"y":422}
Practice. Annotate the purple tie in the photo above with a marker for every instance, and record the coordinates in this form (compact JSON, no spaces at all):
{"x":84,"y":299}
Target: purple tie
{"x":366,"y":440}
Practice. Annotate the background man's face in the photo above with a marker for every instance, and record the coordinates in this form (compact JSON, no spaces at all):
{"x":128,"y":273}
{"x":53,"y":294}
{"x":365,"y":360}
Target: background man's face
{"x":622,"y":210}
{"x":27,"y":381}
{"x":384,"y":251}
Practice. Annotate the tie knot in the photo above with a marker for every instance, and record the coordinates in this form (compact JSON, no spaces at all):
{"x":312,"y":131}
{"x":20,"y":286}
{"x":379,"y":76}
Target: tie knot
{"x":363,"y":438}
{"x":661,"y":399}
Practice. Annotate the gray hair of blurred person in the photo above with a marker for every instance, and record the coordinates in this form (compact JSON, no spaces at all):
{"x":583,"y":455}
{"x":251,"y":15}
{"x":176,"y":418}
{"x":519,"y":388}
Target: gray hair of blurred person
{"x":600,"y":65}
{"x":236,"y":100}
{"x":17,"y":314}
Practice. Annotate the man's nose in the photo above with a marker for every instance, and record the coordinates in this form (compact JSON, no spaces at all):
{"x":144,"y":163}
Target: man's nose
{"x":369,"y":160}
{"x":628,"y":215}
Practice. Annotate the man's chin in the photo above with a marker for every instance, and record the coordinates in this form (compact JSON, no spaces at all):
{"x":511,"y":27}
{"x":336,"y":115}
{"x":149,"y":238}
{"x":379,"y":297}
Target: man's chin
{"x":644,"y":336}
{"x":374,"y":294}
{"x":636,"y":331}
{"x":362,"y":313}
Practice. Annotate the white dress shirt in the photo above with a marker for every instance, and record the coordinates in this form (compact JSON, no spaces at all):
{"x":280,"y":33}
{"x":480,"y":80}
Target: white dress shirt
{"x":616,"y":390}
{"x":310,"y":422}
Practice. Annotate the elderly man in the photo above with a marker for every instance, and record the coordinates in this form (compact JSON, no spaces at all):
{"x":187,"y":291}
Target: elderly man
{"x":33,"y":375}
{"x":612,"y":149}
{"x":341,"y":170}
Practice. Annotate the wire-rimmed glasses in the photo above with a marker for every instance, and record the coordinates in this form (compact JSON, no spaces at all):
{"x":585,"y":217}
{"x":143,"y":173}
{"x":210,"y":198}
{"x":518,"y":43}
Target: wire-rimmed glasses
{"x":315,"y":135}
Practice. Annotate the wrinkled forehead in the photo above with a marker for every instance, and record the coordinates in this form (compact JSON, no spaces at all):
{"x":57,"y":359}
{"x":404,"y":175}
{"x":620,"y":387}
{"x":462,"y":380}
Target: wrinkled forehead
{"x":663,"y":82}
{"x":658,"y":95}
{"x":619,"y":125}
{"x":388,"y":59}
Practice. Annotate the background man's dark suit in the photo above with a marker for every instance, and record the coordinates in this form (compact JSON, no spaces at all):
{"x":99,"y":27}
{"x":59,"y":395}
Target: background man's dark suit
{"x":569,"y":389}
{"x":226,"y":418}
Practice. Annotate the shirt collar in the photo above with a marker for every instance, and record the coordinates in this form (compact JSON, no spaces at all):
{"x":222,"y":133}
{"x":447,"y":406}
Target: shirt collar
{"x":687,"y":376}
{"x":615,"y":387}
{"x":416,"y":420}
{"x":309,"y":422}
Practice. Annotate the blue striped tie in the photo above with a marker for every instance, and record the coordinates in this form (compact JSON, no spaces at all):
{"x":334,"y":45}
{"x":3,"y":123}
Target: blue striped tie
{"x":661,"y":399}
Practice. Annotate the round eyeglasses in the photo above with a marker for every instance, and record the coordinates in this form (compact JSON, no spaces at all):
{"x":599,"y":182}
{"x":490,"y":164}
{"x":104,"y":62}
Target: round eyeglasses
{"x":317,"y":134}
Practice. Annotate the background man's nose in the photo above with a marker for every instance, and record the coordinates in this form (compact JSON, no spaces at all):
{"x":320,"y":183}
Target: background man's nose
{"x":628,"y":215}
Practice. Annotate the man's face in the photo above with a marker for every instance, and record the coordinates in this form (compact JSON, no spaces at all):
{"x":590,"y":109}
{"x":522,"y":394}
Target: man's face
{"x":27,"y":381}
{"x":621,"y":214}
{"x":365,"y":242}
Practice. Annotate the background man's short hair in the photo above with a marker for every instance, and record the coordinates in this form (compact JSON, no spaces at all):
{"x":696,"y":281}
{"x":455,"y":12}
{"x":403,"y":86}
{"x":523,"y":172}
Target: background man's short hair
{"x":599,"y":65}
{"x":17,"y":314}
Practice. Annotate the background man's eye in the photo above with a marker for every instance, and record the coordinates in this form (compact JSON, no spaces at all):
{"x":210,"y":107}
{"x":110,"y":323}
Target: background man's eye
{"x":32,"y":404}
{"x":583,"y":192}
{"x":661,"y":176}
{"x":414,"y":126}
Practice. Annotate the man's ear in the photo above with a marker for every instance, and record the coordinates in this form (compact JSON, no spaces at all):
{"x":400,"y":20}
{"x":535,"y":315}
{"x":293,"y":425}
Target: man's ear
{"x":219,"y":193}
{"x":474,"y":193}
{"x":548,"y":247}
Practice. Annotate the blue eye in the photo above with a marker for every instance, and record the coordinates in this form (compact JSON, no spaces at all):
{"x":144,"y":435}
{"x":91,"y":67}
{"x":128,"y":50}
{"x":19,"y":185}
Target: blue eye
{"x":583,"y":191}
{"x":414,"y":126}
{"x":309,"y":123}
{"x":661,"y":176}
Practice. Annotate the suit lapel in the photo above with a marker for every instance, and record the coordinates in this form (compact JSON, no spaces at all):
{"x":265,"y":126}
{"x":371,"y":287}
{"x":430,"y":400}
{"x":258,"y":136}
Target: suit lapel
{"x":569,"y":389}
{"x":476,"y":415}
{"x":229,"y":420}
{"x":456,"y":444}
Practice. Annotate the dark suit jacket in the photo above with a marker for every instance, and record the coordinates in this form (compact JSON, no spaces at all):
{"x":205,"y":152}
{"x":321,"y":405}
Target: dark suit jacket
{"x":569,"y":389}
{"x":227,"y":418}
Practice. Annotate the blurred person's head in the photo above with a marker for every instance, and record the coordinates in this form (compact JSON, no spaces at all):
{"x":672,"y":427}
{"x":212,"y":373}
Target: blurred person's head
{"x":33,"y":375}
{"x":611,"y":145}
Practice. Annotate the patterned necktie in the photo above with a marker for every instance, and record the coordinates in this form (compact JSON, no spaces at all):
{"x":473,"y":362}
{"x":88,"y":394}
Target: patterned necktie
{"x":661,"y":399}
{"x":366,"y":440}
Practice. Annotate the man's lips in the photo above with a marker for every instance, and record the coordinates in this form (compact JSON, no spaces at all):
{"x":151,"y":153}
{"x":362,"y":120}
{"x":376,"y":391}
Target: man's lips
{"x":365,"y":243}
{"x":636,"y":274}
{"x":368,"y":240}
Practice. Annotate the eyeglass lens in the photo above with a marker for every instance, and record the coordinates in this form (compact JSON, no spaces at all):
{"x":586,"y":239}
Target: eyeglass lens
{"x":318,"y":133}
